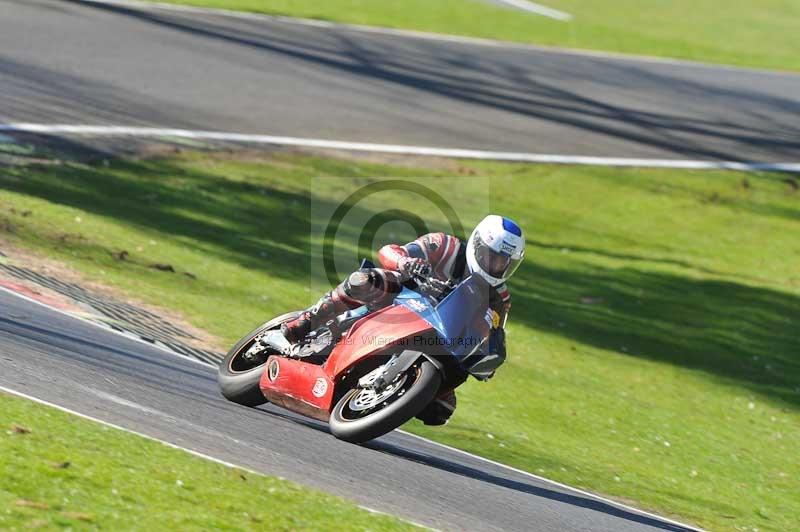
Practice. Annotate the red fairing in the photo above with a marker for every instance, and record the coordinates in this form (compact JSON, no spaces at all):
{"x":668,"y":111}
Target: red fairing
{"x":390,"y":255}
{"x":309,"y":389}
{"x":298,"y":386}
{"x":372,"y":334}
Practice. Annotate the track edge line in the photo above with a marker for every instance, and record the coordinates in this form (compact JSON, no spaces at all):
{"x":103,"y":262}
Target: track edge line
{"x":197,"y":454}
{"x":397,"y":149}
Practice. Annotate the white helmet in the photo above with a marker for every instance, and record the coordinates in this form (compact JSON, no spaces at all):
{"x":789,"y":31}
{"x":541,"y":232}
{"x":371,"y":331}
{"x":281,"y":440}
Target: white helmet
{"x":495,"y":249}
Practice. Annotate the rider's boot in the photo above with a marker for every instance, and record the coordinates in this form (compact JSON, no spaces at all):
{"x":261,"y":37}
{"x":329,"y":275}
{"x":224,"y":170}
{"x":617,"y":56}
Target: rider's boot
{"x":364,"y":287}
{"x":329,"y":306}
{"x":308,"y":320}
{"x":438,"y":412}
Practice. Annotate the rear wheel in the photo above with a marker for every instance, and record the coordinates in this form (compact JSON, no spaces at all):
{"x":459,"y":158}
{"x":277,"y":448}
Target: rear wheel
{"x":363,"y":414}
{"x":240,"y":372}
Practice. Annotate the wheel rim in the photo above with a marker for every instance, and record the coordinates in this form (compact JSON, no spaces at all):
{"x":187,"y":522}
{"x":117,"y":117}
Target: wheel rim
{"x":362,"y":402}
{"x":367,"y":398}
{"x":243,"y":362}
{"x":239,"y":364}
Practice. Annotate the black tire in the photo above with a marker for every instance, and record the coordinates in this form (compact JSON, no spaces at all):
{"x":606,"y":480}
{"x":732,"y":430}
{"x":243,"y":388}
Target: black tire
{"x":421,"y":392}
{"x":242,"y":386}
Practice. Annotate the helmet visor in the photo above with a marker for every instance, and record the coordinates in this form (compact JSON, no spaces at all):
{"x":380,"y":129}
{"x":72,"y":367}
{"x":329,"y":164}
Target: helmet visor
{"x":498,"y":265}
{"x":512,"y":267}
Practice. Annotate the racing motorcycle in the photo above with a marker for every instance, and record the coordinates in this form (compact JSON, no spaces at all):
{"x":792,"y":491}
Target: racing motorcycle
{"x":367,"y":371}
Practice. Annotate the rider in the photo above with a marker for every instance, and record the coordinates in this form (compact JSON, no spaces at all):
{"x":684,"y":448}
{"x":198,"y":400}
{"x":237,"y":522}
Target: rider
{"x":494,"y":251}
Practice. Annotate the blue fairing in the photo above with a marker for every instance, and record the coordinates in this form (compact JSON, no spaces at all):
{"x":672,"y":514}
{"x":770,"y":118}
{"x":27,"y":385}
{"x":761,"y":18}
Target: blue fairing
{"x":460,"y":320}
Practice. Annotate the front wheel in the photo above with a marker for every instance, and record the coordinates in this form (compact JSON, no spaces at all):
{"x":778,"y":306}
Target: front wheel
{"x":238,"y":375}
{"x":363,"y":414}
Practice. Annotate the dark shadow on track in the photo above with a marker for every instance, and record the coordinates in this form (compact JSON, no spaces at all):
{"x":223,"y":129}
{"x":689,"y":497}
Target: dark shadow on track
{"x":516,"y":85}
{"x":116,"y":359}
{"x":276,"y":411}
{"x":450,"y":466}
{"x":62,"y":97}
{"x":529,"y":488}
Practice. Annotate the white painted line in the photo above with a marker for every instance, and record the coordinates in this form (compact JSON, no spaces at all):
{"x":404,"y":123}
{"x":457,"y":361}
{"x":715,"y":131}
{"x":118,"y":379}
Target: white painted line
{"x":539,"y":9}
{"x":415,"y":34}
{"x":589,"y":494}
{"x":130,"y":431}
{"x":457,"y":153}
{"x":378,"y":512}
{"x":442,"y":445}
{"x":198,"y":454}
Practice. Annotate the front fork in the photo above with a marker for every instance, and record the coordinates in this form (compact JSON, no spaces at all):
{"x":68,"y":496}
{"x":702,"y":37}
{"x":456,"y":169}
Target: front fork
{"x":389,"y":372}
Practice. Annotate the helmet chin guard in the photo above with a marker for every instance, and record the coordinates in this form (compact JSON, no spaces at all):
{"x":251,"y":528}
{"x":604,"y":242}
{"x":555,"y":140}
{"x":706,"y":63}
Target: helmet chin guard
{"x":495,"y":249}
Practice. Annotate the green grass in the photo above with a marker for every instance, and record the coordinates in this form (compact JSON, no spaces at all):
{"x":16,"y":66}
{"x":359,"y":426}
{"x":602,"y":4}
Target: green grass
{"x":653,"y":347}
{"x":63,"y":472}
{"x":758,"y":34}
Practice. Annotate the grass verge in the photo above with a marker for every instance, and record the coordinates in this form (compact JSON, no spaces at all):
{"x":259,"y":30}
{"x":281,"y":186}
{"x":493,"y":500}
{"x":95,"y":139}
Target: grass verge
{"x":61,"y":471}
{"x":756,"y":34}
{"x":653,"y":346}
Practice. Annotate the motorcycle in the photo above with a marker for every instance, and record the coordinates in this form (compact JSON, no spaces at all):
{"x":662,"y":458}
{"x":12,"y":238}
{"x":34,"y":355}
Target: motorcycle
{"x":367,"y":371}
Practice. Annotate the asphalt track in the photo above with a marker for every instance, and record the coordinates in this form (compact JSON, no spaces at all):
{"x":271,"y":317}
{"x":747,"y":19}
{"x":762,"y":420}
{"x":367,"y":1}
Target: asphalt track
{"x":63,"y":360}
{"x":66,"y":61}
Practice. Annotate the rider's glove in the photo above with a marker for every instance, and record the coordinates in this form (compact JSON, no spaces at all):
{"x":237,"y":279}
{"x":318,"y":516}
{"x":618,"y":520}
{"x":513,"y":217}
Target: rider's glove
{"x":410,"y":267}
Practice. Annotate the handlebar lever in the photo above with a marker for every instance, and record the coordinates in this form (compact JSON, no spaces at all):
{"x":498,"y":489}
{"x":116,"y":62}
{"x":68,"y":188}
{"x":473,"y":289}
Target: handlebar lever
{"x":433,"y":285}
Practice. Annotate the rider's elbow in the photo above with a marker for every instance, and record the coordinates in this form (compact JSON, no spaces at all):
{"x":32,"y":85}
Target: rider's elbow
{"x":389,"y":255}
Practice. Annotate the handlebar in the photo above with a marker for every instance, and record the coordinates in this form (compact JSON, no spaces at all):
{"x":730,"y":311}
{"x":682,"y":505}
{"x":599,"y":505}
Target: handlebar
{"x":430,"y":285}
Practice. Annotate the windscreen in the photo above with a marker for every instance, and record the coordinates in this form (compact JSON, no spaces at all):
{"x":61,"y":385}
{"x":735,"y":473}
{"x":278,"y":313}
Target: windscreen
{"x":463,"y":316}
